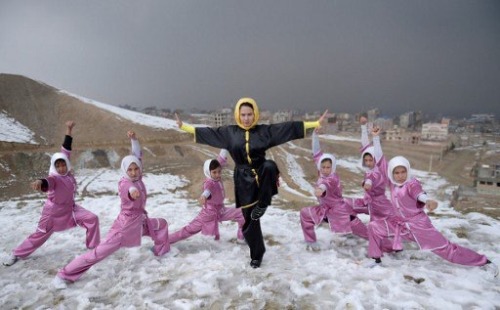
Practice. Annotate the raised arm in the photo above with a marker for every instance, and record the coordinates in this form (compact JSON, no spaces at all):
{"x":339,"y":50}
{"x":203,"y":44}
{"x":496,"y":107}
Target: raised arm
{"x":68,"y":139}
{"x":316,"y":148}
{"x":377,"y":148}
{"x":135,"y":146}
{"x":364,"y":132}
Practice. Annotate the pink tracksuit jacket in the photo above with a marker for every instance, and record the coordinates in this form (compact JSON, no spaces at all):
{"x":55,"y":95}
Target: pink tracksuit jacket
{"x":214,"y":211}
{"x":60,"y":211}
{"x":127,"y":230}
{"x":411,"y":223}
{"x":332,"y":206}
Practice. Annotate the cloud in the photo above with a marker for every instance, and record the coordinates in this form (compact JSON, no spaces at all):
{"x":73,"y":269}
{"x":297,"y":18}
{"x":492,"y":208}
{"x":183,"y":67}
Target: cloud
{"x":438,"y":57}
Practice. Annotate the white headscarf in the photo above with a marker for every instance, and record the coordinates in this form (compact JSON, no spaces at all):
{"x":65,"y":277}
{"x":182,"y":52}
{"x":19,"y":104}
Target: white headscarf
{"x":53,"y":159}
{"x":206,"y":168}
{"x":327,"y":156}
{"x":369,"y":150}
{"x":127,"y":161}
{"x":396,"y":162}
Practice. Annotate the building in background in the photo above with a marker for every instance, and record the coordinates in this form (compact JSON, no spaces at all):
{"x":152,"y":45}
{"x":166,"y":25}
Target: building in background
{"x":488,"y":179}
{"x":222,"y":117}
{"x":282,"y":116}
{"x":434,"y":132}
{"x":407,"y":120}
{"x":402,"y":135}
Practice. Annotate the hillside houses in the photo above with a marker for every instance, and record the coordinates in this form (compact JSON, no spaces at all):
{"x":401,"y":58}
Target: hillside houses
{"x":488,"y":179}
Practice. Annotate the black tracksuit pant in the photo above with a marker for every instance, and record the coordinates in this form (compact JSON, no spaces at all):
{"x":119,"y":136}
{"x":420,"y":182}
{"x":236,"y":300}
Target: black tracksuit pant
{"x":268,"y":177}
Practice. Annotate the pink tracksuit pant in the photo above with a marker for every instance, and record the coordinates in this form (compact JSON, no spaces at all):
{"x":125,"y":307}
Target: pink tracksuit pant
{"x":207,"y":222}
{"x":340,"y":221}
{"x":114,"y":241}
{"x":81,"y":217}
{"x":427,"y":237}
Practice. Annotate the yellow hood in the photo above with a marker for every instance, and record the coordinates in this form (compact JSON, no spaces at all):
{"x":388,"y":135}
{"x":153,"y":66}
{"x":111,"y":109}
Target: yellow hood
{"x":255,"y":112}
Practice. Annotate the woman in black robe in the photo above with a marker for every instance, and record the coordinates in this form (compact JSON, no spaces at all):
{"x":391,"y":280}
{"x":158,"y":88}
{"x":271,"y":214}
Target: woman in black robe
{"x":255,"y":177}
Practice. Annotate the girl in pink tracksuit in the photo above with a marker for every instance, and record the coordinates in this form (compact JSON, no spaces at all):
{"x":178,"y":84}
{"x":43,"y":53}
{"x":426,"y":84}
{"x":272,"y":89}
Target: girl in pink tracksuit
{"x":411,"y":223}
{"x":60,"y":211}
{"x":212,"y":200}
{"x":131,"y":224}
{"x":374,"y":201}
{"x":332,"y":206}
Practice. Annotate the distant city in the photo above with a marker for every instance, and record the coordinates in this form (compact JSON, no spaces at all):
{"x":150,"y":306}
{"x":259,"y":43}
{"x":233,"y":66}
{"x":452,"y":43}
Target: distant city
{"x":412,"y":126}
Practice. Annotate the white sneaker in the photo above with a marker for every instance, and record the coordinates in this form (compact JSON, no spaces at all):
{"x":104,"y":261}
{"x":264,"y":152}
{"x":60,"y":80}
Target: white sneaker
{"x":491,"y":268}
{"x":313,"y":247}
{"x":11,"y":260}
{"x":59,"y":283}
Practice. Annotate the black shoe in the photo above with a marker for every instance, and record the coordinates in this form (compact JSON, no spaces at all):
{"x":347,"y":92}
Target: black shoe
{"x":255,"y":263}
{"x":257,"y":212}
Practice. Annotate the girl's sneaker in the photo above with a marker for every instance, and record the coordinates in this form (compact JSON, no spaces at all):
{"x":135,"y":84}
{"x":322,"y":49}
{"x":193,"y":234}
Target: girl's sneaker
{"x":491,"y":268}
{"x":314,"y":246}
{"x":59,"y":283}
{"x":11,"y":260}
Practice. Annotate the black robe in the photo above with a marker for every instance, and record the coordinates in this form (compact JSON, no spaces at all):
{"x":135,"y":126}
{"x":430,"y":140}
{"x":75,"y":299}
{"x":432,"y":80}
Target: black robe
{"x":248,"y":157}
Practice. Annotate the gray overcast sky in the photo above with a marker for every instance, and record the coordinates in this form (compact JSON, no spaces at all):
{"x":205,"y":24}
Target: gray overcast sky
{"x":437,"y":56}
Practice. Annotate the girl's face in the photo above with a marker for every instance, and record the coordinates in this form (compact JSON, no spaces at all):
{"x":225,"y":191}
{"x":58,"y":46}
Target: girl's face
{"x":133,"y":171}
{"x":246,"y":116}
{"x":368,"y":161}
{"x":399,"y":174}
{"x":61,"y":167}
{"x":325,"y":168}
{"x":216,"y":174}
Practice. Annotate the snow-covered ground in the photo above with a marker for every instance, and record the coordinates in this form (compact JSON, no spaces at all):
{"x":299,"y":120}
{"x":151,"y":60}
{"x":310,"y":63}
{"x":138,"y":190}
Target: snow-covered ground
{"x":136,"y":117}
{"x":216,"y":275}
{"x":209,"y":274}
{"x":13,"y":131}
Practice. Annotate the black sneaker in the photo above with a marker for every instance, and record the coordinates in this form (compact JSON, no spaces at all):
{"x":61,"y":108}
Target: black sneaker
{"x":255,"y":263}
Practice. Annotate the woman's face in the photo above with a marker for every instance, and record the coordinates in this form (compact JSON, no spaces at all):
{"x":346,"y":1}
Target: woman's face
{"x":246,"y":116}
